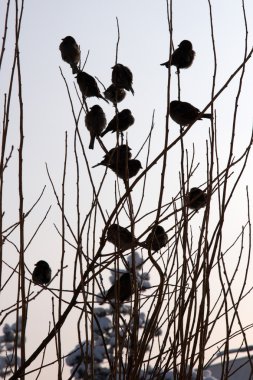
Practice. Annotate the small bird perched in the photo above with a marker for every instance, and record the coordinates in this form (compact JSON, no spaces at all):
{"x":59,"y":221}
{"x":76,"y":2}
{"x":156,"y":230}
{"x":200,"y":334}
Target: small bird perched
{"x":88,"y":86}
{"x":95,"y":122}
{"x":196,"y":199}
{"x":122,"y":77}
{"x":120,"y":236}
{"x":123,"y":288}
{"x":118,"y":154}
{"x":121,"y":122}
{"x":42,"y":273}
{"x":127,"y":169}
{"x":184,"y":113}
{"x":70,"y":52}
{"x":182,"y":57}
{"x":156,"y":239}
{"x":115,"y":94}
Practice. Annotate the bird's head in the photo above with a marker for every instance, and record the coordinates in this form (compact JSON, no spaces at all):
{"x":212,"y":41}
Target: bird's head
{"x":69,"y":39}
{"x":185,"y":44}
{"x":96,"y":108}
{"x":195,"y":190}
{"x":113,"y":226}
{"x":138,"y":164}
{"x":118,"y":65}
{"x":174,"y":104}
{"x":42,"y":264}
{"x":159,"y":230}
{"x":124,"y":148}
{"x":126,"y":112}
{"x":79,"y":74}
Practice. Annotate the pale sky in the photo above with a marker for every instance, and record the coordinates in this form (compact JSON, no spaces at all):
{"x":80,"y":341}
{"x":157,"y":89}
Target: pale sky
{"x":144,"y":44}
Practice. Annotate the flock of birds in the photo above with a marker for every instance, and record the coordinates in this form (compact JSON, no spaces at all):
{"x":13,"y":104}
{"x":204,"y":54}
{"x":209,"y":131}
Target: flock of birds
{"x":119,"y":159}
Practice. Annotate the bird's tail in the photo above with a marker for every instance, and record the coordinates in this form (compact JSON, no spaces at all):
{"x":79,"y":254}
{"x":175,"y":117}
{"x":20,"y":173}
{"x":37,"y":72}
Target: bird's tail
{"x":75,"y":69}
{"x":142,"y":244}
{"x":102,"y":163}
{"x":207,"y":116}
{"x":92,"y":141}
{"x":103,"y":133}
{"x":164,"y":64}
{"x":100,"y":96}
{"x":94,"y":166}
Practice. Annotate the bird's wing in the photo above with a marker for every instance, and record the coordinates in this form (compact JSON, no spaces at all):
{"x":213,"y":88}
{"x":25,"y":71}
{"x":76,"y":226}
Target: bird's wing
{"x":188,"y":110}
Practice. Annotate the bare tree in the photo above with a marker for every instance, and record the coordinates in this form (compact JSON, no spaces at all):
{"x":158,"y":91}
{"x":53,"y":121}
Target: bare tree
{"x":158,"y":321}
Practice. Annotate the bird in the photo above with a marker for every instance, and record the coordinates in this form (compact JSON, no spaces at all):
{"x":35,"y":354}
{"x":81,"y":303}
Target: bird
{"x":184,"y":113}
{"x":122,"y":77}
{"x":114,"y":94}
{"x":127,"y":169}
{"x":156,"y":239}
{"x":182,"y":57}
{"x":122,"y":288}
{"x":119,"y":236}
{"x":88,"y":86}
{"x":196,"y":198}
{"x":95,"y":122}
{"x":42,"y":273}
{"x":70,"y":52}
{"x":120,"y":122}
{"x":121,"y":153}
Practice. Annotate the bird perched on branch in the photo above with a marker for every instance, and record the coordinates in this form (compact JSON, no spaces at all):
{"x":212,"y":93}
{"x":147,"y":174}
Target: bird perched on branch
{"x":70,"y":52}
{"x":88,"y":86}
{"x":95,"y":122}
{"x":182,"y":57}
{"x":120,"y":236}
{"x":122,"y":289}
{"x":42,"y":273}
{"x":120,"y":123}
{"x":184,"y":113}
{"x":118,"y":160}
{"x":120,"y":154}
{"x":122,"y":77}
{"x":196,"y":199}
{"x":127,"y":169}
{"x":156,"y":239}
{"x":115,"y":94}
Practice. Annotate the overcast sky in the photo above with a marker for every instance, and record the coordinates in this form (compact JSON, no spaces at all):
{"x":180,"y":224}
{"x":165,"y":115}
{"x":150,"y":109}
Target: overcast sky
{"x":144,"y":44}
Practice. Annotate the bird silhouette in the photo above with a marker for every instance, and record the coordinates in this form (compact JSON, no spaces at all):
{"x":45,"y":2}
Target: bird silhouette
{"x":182,"y":57}
{"x":114,"y":94}
{"x":42,"y":273}
{"x":120,"y":236}
{"x":156,"y":239}
{"x":95,"y":122}
{"x":127,"y":169}
{"x":120,"y":122}
{"x":88,"y":86}
{"x":70,"y":52}
{"x":122,"y":289}
{"x":120,"y":154}
{"x":122,"y":77}
{"x":196,"y":199}
{"x":184,"y":113}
